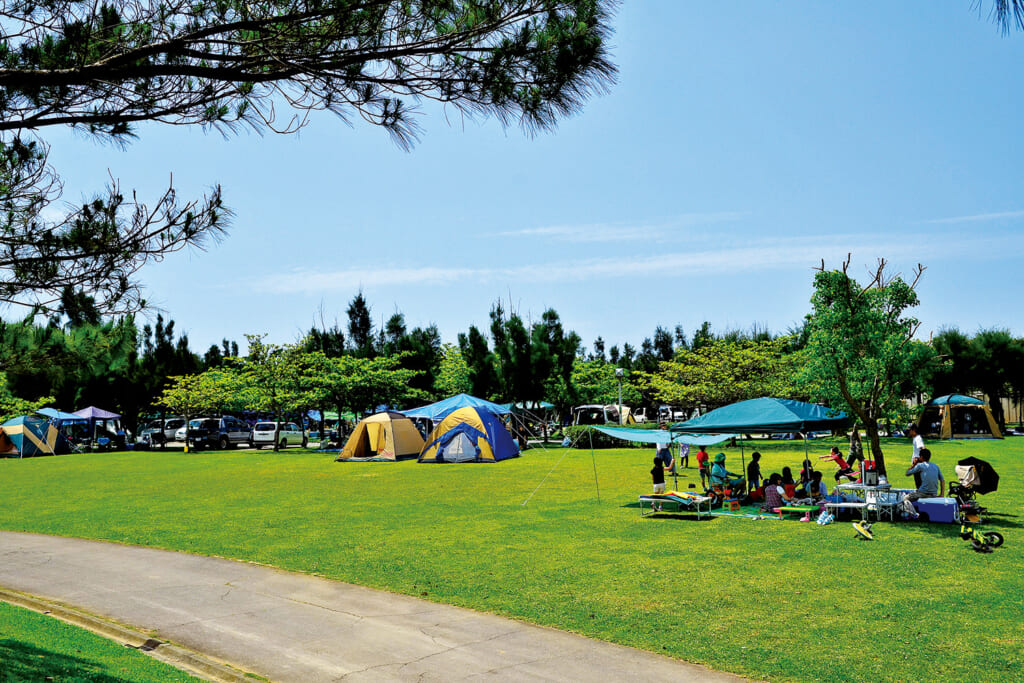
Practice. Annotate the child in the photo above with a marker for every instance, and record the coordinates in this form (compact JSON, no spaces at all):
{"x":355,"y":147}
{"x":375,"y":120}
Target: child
{"x":702,"y":467}
{"x":754,"y":471}
{"x":788,"y":484}
{"x":658,"y":475}
{"x":844,"y":469}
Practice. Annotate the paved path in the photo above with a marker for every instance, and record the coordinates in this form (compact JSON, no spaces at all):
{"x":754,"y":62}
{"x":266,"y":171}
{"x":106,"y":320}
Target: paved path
{"x":294,"y":627}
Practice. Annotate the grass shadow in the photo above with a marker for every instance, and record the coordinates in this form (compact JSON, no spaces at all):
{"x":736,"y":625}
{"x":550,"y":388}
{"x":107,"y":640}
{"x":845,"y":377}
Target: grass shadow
{"x":20,"y":661}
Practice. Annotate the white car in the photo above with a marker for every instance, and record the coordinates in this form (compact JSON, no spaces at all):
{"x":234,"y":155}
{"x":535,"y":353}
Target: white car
{"x":159,"y":432}
{"x":290,"y":433}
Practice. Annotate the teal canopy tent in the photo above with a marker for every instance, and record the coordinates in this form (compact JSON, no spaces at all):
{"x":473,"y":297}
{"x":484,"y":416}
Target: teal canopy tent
{"x":766,"y":416}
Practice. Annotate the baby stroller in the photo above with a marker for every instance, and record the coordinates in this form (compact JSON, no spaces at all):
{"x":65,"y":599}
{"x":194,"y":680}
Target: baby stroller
{"x":975,"y":477}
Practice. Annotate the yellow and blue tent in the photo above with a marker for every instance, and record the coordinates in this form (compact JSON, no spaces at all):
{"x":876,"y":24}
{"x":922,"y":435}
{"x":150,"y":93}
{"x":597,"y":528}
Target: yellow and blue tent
{"x":469,"y":435}
{"x":29,"y":435}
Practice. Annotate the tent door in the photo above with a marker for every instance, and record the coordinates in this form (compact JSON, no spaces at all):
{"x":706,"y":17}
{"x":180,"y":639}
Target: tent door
{"x":460,"y":449}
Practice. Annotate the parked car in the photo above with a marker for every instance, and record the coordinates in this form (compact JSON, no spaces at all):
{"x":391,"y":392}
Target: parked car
{"x":223,"y":433}
{"x":290,"y":433}
{"x":159,"y":432}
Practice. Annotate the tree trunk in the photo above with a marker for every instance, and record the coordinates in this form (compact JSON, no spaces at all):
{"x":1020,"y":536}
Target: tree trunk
{"x":871,"y":427}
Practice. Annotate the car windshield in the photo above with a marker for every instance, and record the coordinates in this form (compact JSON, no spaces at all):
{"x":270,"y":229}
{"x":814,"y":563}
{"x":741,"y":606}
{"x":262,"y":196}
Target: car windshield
{"x":265,"y":427}
{"x":155,"y":424}
{"x":195,"y":424}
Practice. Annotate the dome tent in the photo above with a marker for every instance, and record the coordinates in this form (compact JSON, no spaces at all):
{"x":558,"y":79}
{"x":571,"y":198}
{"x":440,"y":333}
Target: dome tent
{"x":469,"y":435}
{"x":384,"y":437}
{"x":955,"y":416}
{"x":31,"y":435}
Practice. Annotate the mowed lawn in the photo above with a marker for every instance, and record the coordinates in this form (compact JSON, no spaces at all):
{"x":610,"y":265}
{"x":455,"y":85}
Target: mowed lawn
{"x":766,"y":599}
{"x":34,"y":647}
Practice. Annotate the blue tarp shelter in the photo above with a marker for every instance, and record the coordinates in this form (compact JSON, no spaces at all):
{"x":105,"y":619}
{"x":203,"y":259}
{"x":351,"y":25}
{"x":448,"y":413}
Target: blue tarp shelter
{"x":440,"y":410}
{"x":60,"y":415}
{"x":766,"y":416}
{"x":664,"y":436}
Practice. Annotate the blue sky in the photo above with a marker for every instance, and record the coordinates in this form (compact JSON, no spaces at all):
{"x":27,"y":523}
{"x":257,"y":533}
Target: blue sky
{"x":742,"y":144}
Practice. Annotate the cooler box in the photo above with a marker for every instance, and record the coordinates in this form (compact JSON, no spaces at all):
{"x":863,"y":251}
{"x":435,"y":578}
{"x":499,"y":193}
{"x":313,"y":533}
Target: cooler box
{"x":944,"y":510}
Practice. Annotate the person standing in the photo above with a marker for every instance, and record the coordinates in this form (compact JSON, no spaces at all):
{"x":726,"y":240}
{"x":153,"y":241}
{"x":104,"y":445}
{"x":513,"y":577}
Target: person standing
{"x":702,"y":467}
{"x":856,"y":449}
{"x":918,"y":443}
{"x":663,"y":452}
{"x":684,"y":455}
{"x":754,"y":472}
{"x":658,"y":475}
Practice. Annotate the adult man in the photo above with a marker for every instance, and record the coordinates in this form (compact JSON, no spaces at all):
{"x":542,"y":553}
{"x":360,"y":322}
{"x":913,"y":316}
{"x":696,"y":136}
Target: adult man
{"x":932,"y":483}
{"x":918,"y":443}
{"x":664,"y":453}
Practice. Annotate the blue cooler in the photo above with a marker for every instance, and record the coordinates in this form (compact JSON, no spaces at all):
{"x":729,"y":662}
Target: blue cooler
{"x":943,"y":510}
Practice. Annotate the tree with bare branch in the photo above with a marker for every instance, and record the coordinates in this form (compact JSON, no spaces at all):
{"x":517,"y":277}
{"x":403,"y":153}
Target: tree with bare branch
{"x":102,"y":68}
{"x":860,"y":356}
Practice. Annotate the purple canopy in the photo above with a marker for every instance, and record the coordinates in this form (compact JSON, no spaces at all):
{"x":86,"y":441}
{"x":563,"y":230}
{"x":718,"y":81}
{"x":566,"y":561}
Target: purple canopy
{"x":93,"y":413}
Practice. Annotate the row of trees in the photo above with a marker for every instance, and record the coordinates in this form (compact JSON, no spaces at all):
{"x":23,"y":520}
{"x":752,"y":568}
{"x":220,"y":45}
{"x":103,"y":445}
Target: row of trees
{"x":856,"y":351}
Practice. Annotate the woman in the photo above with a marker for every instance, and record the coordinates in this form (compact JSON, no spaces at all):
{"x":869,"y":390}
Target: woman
{"x":775,"y":494}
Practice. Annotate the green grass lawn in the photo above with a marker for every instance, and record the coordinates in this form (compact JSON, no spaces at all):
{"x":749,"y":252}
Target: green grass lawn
{"x":34,"y":647}
{"x":766,"y":599}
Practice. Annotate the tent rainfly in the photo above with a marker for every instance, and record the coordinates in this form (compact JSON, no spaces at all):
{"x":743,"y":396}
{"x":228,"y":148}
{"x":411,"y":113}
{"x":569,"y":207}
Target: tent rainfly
{"x":440,"y":410}
{"x":958,"y":417}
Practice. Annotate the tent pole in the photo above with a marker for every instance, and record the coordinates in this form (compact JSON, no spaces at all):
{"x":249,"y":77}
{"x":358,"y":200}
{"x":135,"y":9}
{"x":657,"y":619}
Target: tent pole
{"x":743,"y":466}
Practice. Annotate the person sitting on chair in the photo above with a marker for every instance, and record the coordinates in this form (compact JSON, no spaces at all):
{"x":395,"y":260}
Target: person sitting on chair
{"x":721,"y":476}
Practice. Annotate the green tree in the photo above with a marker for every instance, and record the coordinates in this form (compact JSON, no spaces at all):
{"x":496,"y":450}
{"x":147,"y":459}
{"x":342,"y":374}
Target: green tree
{"x":453,"y":373}
{"x":594,"y":381}
{"x":275,"y":378}
{"x":859,"y":356}
{"x":483,"y":373}
{"x":360,"y":327}
{"x":192,"y":395}
{"x":12,"y":406}
{"x":360,"y":384}
{"x":102,"y":68}
{"x":719,"y":372}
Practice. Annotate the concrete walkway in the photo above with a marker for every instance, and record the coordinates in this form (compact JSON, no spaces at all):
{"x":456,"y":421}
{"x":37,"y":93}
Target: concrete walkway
{"x":294,"y":627}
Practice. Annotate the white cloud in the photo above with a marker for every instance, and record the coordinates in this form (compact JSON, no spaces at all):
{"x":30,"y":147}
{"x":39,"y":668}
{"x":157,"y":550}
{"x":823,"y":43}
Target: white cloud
{"x":624,"y":232}
{"x":764,"y":254}
{"x":978,"y":218}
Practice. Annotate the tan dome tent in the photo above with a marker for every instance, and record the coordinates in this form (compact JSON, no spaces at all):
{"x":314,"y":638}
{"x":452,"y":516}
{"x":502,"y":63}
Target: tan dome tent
{"x":958,"y":417}
{"x":384,"y":437}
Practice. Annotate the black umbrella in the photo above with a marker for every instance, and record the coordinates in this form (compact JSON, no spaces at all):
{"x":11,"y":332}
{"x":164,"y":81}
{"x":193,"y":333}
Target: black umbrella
{"x":988,"y":479}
